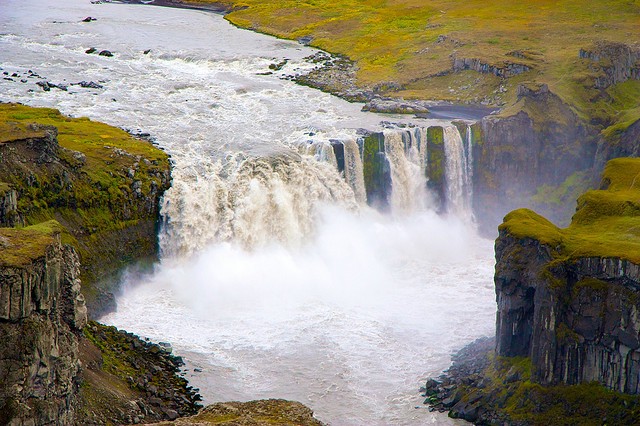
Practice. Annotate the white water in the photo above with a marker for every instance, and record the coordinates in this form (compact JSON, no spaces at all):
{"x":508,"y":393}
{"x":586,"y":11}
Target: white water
{"x":275,"y":280}
{"x":458,"y":174}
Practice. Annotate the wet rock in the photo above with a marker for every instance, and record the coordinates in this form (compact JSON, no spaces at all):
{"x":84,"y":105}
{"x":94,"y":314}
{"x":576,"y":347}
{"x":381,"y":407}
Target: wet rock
{"x":106,"y":53}
{"x":91,"y":50}
{"x":90,"y":85}
{"x":89,"y":19}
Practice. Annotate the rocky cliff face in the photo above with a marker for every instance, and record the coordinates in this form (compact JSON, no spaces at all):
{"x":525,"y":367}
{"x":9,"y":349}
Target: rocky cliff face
{"x":569,"y":298}
{"x":543,"y":144}
{"x":102,"y":184}
{"x":41,"y":312}
{"x":577,"y":320}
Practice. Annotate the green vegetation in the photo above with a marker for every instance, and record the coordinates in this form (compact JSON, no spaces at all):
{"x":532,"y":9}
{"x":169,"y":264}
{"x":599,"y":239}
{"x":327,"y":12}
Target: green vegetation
{"x":507,"y":391}
{"x":412,"y":42}
{"x":19,"y":247}
{"x":606,"y":224}
{"x":100,"y":183}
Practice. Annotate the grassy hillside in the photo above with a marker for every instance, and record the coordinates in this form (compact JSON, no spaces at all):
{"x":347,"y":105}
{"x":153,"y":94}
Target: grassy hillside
{"x":606,"y":224}
{"x":413,"y":43}
{"x":100,"y":183}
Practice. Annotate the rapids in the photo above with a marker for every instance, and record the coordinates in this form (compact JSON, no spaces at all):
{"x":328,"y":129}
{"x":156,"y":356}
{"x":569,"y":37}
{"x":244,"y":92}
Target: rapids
{"x":276,"y":279}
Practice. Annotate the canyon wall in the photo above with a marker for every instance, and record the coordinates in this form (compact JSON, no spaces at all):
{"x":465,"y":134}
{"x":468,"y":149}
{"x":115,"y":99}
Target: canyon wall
{"x":103,"y":185}
{"x":568,"y":299}
{"x":41,"y":313}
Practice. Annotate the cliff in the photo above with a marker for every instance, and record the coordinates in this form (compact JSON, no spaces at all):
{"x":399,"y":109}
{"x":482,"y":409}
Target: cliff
{"x":568,"y":298}
{"x":567,"y":344}
{"x":41,"y":313}
{"x":536,"y":154}
{"x":100,"y":183}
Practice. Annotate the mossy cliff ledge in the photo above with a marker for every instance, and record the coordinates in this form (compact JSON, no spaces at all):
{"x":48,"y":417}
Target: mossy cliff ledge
{"x":100,"y":183}
{"x":567,"y":344}
{"x":41,"y":311}
{"x":569,"y":298}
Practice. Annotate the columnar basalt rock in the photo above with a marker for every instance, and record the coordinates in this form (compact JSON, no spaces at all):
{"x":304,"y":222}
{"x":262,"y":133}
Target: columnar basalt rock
{"x":577,"y":320}
{"x":569,"y":299}
{"x":41,"y":313}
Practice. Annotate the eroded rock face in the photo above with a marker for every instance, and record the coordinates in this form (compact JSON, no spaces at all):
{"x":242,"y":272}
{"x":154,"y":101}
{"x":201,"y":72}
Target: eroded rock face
{"x":41,"y":312}
{"x":543,"y":144}
{"x":578,"y":320}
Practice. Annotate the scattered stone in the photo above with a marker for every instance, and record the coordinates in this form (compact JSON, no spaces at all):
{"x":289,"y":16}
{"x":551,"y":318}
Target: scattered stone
{"x":45,"y":85}
{"x":89,"y":85}
{"x":89,"y":19}
{"x":105,"y":53}
{"x":91,"y":50}
{"x":146,"y":52}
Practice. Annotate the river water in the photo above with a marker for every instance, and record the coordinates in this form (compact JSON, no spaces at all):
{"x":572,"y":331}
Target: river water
{"x":276,"y":280}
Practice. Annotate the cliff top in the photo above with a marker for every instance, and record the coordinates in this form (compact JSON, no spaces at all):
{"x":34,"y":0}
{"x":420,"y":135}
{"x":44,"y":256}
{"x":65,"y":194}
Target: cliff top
{"x":606,"y":222}
{"x":99,"y":182}
{"x":476,"y":51}
{"x":19,"y":247}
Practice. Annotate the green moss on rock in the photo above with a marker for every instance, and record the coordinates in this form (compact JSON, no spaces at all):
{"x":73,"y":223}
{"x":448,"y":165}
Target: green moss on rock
{"x":100,"y":183}
{"x":606,"y":223}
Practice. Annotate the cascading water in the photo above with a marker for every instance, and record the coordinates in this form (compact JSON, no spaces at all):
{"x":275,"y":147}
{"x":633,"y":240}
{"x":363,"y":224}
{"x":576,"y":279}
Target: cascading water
{"x":457,"y":169}
{"x":250,"y":201}
{"x":408,"y":180}
{"x":276,"y":279}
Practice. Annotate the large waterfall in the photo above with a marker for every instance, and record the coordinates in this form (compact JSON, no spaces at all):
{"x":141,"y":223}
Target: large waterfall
{"x":277,"y":278}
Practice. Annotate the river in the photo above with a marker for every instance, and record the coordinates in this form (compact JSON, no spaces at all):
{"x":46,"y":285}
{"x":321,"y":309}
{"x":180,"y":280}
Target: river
{"x":276,"y":280}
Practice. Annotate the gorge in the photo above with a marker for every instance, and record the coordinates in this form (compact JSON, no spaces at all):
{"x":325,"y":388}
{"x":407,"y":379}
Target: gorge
{"x":308,"y":250}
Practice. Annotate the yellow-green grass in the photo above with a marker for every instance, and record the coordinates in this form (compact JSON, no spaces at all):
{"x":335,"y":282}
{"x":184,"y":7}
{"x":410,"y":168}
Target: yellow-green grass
{"x":606,"y":224}
{"x":89,"y":189}
{"x":396,"y":40}
{"x":19,"y":247}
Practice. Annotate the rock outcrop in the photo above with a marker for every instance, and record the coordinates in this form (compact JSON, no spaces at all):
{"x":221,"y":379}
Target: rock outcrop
{"x":252,"y":413}
{"x":613,"y":62}
{"x":102,"y":184}
{"x":41,"y":313}
{"x":568,"y":298}
{"x":543,"y":144}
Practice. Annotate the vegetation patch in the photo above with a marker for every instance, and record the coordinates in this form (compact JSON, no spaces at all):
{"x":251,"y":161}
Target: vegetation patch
{"x":606,"y":223}
{"x":100,"y":183}
{"x":486,"y":389}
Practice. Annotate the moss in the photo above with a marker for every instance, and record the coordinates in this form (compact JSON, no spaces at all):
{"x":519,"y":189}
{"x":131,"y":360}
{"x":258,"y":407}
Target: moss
{"x":435,"y":158}
{"x":89,"y":187}
{"x":508,"y":394}
{"x":606,"y":223}
{"x":565,"y":335}
{"x":20,"y":247}
{"x":373,"y":167}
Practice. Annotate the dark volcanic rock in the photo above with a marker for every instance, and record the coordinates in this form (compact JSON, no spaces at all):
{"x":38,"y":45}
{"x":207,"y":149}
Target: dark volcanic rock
{"x":41,"y":312}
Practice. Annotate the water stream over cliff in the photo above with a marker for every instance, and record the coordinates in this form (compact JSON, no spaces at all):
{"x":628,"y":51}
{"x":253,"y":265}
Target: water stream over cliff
{"x":276,"y":280}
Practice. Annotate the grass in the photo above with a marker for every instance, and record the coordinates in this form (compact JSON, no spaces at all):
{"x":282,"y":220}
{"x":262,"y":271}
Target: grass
{"x":400,"y":40}
{"x":20,"y":247}
{"x":606,"y":223}
{"x":88,"y":186}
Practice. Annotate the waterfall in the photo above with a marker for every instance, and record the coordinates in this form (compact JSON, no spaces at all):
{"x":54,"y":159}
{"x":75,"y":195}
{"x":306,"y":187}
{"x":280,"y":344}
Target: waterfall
{"x":251,"y":201}
{"x":469,"y":167}
{"x":408,"y":181}
{"x":457,"y":174}
{"x":353,"y":171}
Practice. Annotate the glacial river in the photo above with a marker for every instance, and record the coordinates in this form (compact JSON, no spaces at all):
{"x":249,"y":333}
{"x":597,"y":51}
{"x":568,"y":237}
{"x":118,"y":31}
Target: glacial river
{"x":276,"y":280}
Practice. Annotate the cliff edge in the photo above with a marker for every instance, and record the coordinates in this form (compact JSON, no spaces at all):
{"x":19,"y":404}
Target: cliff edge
{"x":567,"y":345}
{"x":99,"y":182}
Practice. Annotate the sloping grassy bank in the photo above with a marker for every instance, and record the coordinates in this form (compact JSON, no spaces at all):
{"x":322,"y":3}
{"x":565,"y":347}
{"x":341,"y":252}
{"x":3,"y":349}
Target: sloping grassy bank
{"x":409,"y":48}
{"x":101,"y":184}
